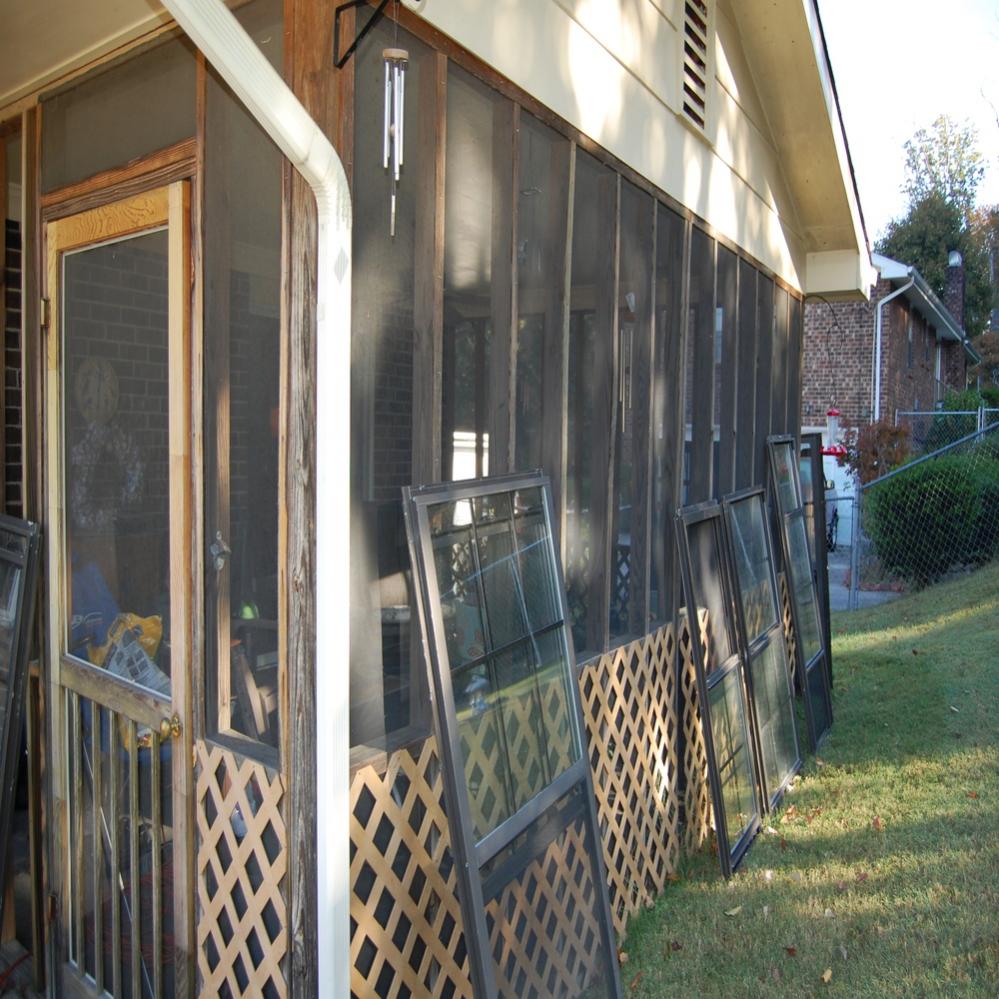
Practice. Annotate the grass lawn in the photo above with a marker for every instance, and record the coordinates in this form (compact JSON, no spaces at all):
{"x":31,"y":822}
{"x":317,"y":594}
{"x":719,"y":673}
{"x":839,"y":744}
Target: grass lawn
{"x":881,"y":872}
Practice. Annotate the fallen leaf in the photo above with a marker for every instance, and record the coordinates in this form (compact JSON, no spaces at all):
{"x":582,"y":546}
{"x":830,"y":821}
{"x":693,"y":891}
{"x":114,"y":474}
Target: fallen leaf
{"x":622,"y":956}
{"x":829,"y":914}
{"x":841,"y":886}
{"x":792,"y":811}
{"x":956,"y":711}
{"x":915,"y":652}
{"x":791,"y":951}
{"x":827,"y":976}
{"x":635,"y":981}
{"x":768,"y":875}
{"x":862,"y":876}
{"x":783,"y":843}
{"x":733,"y":912}
{"x":673,"y":878}
{"x":770,"y":831}
{"x":766,"y":912}
{"x":877,"y":824}
{"x":675,"y":945}
{"x":842,"y":951}
{"x":972,"y":794}
{"x":819,"y":762}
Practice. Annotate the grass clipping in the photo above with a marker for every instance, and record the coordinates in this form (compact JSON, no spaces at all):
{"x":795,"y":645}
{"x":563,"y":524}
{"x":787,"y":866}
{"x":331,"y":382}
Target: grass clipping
{"x":880,"y":875}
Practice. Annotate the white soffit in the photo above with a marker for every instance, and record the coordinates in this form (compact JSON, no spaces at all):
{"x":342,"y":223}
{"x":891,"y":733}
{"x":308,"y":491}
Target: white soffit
{"x":43,"y":40}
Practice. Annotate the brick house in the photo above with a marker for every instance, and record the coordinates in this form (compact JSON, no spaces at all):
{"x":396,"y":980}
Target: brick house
{"x":924,"y":352}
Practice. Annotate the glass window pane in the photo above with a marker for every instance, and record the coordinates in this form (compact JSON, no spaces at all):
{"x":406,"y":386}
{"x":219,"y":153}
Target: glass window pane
{"x":788,"y":496}
{"x":709,"y":591}
{"x":802,"y":586}
{"x":774,"y":703}
{"x":815,"y":688}
{"x":117,"y":457}
{"x":104,"y":120}
{"x":510,"y":677}
{"x":242,"y":397}
{"x":730,"y":734}
{"x":544,"y":924}
{"x":753,"y":567}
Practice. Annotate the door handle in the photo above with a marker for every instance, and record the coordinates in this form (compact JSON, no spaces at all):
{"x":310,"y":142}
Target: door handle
{"x":219,"y":552}
{"x":170,"y":728}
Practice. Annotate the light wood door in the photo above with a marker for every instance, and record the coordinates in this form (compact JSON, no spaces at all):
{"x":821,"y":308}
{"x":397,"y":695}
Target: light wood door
{"x":119,"y":608}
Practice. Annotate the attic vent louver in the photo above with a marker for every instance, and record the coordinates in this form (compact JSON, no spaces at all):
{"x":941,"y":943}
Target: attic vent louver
{"x":695,"y":61}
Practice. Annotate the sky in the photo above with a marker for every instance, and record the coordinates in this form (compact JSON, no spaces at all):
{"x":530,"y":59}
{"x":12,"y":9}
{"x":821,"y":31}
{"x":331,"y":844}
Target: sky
{"x":899,"y":64}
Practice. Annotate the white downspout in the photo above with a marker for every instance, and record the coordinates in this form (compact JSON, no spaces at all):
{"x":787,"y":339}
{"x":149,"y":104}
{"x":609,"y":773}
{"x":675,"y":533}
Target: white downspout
{"x":876,"y":408}
{"x":242,"y":65}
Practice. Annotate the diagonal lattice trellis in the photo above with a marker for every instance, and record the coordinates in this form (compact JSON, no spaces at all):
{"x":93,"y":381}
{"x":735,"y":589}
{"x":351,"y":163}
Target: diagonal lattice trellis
{"x":786,"y":619}
{"x":629,"y":705}
{"x":242,"y":858}
{"x":405,"y":917}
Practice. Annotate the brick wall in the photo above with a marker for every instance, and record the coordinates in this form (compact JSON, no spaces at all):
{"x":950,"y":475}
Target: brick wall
{"x":839,"y":345}
{"x":13,"y":475}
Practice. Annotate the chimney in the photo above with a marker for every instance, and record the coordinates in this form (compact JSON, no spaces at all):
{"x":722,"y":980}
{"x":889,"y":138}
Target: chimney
{"x":954,"y":288}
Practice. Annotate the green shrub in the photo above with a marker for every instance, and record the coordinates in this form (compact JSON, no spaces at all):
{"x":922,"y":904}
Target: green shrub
{"x":985,"y":544}
{"x":926,"y":520}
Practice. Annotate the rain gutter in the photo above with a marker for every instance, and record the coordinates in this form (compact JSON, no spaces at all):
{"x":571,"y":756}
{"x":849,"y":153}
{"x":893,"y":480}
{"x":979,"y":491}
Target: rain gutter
{"x":237,"y":59}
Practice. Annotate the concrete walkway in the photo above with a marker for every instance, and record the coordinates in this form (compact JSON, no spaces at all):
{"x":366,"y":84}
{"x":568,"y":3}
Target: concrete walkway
{"x":839,"y":589}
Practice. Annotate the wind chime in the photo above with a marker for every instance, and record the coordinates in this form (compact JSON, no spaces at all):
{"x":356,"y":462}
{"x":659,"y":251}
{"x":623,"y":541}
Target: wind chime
{"x":396,"y":61}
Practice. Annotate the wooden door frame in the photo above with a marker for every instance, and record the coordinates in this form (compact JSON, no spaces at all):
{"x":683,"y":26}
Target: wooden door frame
{"x":170,"y":207}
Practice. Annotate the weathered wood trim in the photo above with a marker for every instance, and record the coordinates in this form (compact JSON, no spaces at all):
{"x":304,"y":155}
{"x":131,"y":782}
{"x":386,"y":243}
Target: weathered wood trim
{"x":308,"y":29}
{"x":144,"y":174}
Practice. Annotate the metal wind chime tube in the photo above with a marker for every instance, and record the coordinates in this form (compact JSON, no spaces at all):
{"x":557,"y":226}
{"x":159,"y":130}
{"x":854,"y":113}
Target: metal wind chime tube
{"x":393,"y":136}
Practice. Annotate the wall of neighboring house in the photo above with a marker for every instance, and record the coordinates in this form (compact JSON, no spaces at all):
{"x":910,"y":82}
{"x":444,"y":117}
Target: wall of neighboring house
{"x":908,"y":365}
{"x":613,"y":70}
{"x":839,"y":346}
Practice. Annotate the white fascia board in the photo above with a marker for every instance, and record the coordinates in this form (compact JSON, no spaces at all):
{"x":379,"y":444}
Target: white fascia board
{"x":891,"y":270}
{"x":841,"y":274}
{"x":811,"y":14}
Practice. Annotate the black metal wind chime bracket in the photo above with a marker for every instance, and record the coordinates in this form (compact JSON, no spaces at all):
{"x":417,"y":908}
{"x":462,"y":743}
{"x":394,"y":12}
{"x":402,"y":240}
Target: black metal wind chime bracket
{"x":341,"y":60}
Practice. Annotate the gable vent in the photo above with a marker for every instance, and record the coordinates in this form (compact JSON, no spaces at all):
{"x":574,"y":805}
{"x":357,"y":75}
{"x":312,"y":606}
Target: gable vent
{"x":695,"y":62}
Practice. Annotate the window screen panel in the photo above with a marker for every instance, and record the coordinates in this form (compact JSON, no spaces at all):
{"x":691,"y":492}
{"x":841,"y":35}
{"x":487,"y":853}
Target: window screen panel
{"x":721,"y":686}
{"x":517,"y":780}
{"x":507,"y":651}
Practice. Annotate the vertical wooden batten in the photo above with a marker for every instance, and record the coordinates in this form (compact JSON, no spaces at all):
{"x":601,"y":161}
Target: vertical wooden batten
{"x":309,"y":28}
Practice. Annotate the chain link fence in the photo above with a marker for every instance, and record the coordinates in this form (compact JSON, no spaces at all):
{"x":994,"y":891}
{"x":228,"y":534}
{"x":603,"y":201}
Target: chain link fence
{"x":933,"y":429}
{"x":935,"y":516}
